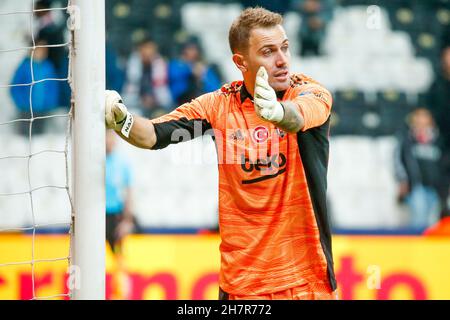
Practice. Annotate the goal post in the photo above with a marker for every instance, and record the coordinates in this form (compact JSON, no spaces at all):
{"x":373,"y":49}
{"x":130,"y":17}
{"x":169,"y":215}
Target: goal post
{"x":87,"y":269}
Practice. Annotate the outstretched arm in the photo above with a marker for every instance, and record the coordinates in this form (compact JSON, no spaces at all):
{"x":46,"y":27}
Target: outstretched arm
{"x":136,"y":130}
{"x":142,"y":133}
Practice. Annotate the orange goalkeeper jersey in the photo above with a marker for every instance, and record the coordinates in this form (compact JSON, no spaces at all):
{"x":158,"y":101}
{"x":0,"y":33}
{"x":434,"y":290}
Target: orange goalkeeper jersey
{"x":273,"y":222}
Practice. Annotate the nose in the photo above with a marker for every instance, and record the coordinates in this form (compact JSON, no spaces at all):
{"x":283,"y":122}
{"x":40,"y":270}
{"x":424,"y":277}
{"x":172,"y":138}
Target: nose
{"x":282,"y":59}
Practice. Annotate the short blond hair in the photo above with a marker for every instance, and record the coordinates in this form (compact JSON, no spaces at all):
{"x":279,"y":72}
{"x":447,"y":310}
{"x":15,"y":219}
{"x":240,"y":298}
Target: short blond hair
{"x":248,"y":20}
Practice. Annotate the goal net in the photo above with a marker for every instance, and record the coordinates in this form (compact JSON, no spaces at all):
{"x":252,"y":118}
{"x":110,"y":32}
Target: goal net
{"x":52,"y":155}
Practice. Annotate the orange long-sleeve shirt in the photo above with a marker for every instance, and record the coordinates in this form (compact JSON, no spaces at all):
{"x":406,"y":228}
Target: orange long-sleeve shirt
{"x":272,"y":212}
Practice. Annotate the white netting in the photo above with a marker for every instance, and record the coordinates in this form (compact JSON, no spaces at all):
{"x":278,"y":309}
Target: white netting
{"x":35,"y":168}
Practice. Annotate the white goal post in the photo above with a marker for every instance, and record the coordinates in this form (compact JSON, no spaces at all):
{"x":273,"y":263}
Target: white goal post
{"x":87,"y":270}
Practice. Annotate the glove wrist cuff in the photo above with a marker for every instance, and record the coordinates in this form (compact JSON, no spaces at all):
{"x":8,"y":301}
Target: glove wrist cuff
{"x":126,"y":124}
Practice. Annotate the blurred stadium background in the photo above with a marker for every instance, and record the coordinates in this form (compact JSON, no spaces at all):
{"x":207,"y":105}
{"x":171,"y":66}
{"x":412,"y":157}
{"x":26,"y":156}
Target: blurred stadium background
{"x":381,"y":59}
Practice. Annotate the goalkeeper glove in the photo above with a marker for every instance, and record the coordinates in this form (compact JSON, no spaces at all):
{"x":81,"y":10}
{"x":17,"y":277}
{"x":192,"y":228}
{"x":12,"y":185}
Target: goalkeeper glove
{"x":265,"y":100}
{"x":117,"y":116}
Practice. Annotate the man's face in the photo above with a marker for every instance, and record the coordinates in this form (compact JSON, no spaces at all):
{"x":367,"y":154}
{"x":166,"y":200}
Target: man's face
{"x":148,"y":51}
{"x":422,"y":119}
{"x":269,"y":47}
{"x":191,"y":53}
{"x":40,"y":53}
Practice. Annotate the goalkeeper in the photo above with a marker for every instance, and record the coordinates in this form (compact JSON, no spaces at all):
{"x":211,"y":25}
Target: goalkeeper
{"x":271,"y":133}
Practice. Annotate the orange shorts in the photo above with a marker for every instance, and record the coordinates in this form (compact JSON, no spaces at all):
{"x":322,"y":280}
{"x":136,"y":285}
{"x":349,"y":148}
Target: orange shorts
{"x":309,"y":291}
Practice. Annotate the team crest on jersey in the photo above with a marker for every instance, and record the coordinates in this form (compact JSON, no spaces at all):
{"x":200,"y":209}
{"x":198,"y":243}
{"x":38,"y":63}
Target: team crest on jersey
{"x":260,"y":134}
{"x":231,"y":88}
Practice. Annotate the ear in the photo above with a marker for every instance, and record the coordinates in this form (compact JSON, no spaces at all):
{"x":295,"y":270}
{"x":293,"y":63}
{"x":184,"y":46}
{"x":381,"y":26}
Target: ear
{"x":240,"y":62}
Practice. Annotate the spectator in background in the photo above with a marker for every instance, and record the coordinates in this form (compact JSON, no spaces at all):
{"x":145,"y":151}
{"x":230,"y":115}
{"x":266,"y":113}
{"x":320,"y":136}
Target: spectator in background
{"x":439,"y":102}
{"x":44,"y":95}
{"x":190,"y":76}
{"x":418,"y":168}
{"x":52,"y":29}
{"x":315,"y":15}
{"x":119,"y":217}
{"x":147,"y":80}
{"x":439,"y":97}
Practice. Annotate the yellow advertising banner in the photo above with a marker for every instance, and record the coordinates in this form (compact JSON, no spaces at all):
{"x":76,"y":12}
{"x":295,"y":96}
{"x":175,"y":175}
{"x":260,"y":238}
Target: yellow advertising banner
{"x":186,"y":267}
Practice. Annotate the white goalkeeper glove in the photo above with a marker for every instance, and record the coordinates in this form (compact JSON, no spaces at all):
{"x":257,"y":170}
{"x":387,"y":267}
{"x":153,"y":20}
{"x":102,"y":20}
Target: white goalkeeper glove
{"x":117,"y":116}
{"x":265,"y":98}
